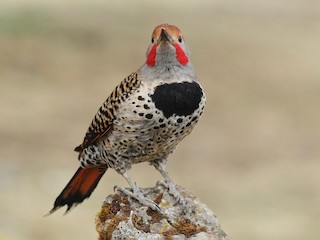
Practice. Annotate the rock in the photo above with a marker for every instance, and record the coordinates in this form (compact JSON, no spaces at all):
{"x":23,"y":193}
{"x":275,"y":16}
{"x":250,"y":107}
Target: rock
{"x":121,"y":217}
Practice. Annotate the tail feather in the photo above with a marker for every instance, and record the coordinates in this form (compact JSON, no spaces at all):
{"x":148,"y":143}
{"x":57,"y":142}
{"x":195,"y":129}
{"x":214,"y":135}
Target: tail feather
{"x":80,"y":187}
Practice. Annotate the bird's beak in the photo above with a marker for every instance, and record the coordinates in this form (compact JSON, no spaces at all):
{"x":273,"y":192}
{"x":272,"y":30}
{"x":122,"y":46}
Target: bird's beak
{"x":164,"y":36}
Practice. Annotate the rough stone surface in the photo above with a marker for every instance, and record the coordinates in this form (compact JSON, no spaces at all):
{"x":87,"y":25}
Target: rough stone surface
{"x":123,"y":218}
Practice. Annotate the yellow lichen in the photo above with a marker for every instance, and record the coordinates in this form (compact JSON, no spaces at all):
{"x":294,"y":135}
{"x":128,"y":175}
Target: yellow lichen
{"x":139,"y":224}
{"x":184,"y":227}
{"x":109,"y":217}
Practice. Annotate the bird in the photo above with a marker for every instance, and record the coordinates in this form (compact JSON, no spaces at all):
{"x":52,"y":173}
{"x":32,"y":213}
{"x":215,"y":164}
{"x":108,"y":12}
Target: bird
{"x":142,"y":120}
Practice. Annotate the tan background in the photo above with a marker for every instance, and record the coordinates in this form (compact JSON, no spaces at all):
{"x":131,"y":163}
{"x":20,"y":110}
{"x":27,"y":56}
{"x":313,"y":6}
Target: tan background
{"x":253,"y":158}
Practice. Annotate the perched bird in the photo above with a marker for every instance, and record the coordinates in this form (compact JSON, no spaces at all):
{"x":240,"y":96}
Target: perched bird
{"x":143,"y":120}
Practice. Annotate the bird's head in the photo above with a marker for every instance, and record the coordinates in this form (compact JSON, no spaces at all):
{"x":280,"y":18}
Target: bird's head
{"x":167,"y":47}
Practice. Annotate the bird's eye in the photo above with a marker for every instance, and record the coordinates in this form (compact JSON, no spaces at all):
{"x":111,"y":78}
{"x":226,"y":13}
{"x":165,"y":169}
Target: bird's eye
{"x":180,"y":39}
{"x":152,"y":40}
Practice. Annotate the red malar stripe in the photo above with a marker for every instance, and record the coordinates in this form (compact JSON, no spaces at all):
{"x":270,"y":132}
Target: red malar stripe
{"x":151,"y":60}
{"x":181,"y":56}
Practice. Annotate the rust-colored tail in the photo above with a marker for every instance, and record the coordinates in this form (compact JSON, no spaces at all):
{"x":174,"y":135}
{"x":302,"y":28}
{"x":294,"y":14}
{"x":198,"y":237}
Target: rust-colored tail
{"x":80,"y":187}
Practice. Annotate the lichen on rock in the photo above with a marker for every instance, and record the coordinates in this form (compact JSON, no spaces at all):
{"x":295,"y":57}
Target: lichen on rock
{"x":121,"y":217}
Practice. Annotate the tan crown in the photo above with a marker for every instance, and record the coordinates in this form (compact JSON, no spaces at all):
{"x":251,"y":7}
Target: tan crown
{"x":172,"y":30}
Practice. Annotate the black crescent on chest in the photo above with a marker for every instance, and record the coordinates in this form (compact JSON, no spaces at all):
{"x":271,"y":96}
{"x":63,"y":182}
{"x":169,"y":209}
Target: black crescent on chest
{"x":181,"y":99}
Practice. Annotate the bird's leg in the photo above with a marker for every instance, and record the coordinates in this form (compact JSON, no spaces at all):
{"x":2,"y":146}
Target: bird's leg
{"x":137,"y":194}
{"x":167,"y":183}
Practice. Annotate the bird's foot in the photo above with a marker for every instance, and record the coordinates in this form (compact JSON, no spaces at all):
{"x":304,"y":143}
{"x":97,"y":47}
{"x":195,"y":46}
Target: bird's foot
{"x":138,"y":195}
{"x":172,"y":190}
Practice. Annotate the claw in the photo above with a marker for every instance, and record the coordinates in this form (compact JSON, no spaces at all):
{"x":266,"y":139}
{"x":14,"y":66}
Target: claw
{"x":172,"y":190}
{"x":138,"y":195}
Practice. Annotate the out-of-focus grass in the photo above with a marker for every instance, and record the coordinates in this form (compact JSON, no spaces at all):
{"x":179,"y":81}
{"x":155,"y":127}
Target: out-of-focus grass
{"x":253,"y":158}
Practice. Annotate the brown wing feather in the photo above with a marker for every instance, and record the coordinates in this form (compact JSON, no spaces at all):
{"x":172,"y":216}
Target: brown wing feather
{"x":102,"y":122}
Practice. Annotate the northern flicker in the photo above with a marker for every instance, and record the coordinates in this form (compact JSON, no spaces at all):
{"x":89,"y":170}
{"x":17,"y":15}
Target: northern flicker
{"x":143,"y":120}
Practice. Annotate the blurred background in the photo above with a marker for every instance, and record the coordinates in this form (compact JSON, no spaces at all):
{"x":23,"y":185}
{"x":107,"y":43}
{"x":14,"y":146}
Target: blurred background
{"x":254,"y":156}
